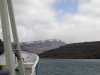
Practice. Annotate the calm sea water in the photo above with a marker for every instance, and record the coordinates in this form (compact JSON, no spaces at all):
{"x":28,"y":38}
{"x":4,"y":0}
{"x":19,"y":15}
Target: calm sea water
{"x":69,"y":67}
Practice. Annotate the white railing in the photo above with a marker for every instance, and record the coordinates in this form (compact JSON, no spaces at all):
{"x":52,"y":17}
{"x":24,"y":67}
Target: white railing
{"x":30,"y":61}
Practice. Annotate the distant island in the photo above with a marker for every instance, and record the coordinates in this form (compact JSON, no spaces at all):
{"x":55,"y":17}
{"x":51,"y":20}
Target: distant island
{"x":85,"y":50}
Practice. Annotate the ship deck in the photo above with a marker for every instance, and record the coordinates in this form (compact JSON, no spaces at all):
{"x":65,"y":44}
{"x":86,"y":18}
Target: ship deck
{"x":27,"y":72}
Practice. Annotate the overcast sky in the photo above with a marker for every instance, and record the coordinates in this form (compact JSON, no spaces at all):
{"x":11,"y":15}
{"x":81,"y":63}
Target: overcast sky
{"x":68,"y":20}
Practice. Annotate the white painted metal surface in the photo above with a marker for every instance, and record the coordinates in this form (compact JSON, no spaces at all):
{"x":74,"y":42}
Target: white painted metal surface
{"x":15,"y":37}
{"x":2,"y":59}
{"x":6,"y":36}
{"x":31,"y":60}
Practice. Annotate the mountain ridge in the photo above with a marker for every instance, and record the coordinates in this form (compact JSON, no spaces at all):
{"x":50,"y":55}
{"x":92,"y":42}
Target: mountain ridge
{"x":85,"y":50}
{"x":41,"y":46}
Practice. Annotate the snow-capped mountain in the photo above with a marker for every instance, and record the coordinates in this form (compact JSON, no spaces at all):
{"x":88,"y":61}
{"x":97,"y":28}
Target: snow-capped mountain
{"x":41,"y":46}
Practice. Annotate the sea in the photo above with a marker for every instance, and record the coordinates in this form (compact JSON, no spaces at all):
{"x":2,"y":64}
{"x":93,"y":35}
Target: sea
{"x":69,"y":67}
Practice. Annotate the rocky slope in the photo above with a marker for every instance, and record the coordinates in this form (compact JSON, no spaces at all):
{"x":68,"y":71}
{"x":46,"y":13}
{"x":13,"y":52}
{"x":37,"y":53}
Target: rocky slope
{"x":41,"y":46}
{"x":88,"y":50}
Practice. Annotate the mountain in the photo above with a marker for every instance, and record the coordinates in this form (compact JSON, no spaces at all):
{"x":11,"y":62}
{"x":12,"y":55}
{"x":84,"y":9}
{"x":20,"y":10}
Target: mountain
{"x":41,"y":46}
{"x":85,"y":50}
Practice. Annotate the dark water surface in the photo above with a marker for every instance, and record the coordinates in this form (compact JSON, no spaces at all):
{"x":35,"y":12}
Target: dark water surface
{"x":69,"y":67}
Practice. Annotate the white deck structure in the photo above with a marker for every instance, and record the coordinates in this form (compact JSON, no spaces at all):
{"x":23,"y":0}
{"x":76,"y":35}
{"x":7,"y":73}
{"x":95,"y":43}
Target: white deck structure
{"x":27,"y":67}
{"x":30,"y":62}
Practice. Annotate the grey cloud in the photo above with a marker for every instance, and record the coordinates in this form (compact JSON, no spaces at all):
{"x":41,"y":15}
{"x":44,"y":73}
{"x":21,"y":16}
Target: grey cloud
{"x":36,"y":20}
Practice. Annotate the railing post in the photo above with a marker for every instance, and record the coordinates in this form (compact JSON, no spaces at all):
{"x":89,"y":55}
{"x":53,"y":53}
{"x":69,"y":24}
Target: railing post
{"x":15,"y":37}
{"x":6,"y":36}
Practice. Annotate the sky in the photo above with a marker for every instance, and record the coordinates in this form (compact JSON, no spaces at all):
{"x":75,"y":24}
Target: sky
{"x":68,"y":20}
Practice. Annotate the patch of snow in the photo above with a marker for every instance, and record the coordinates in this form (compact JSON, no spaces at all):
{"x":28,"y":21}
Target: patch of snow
{"x":50,"y":40}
